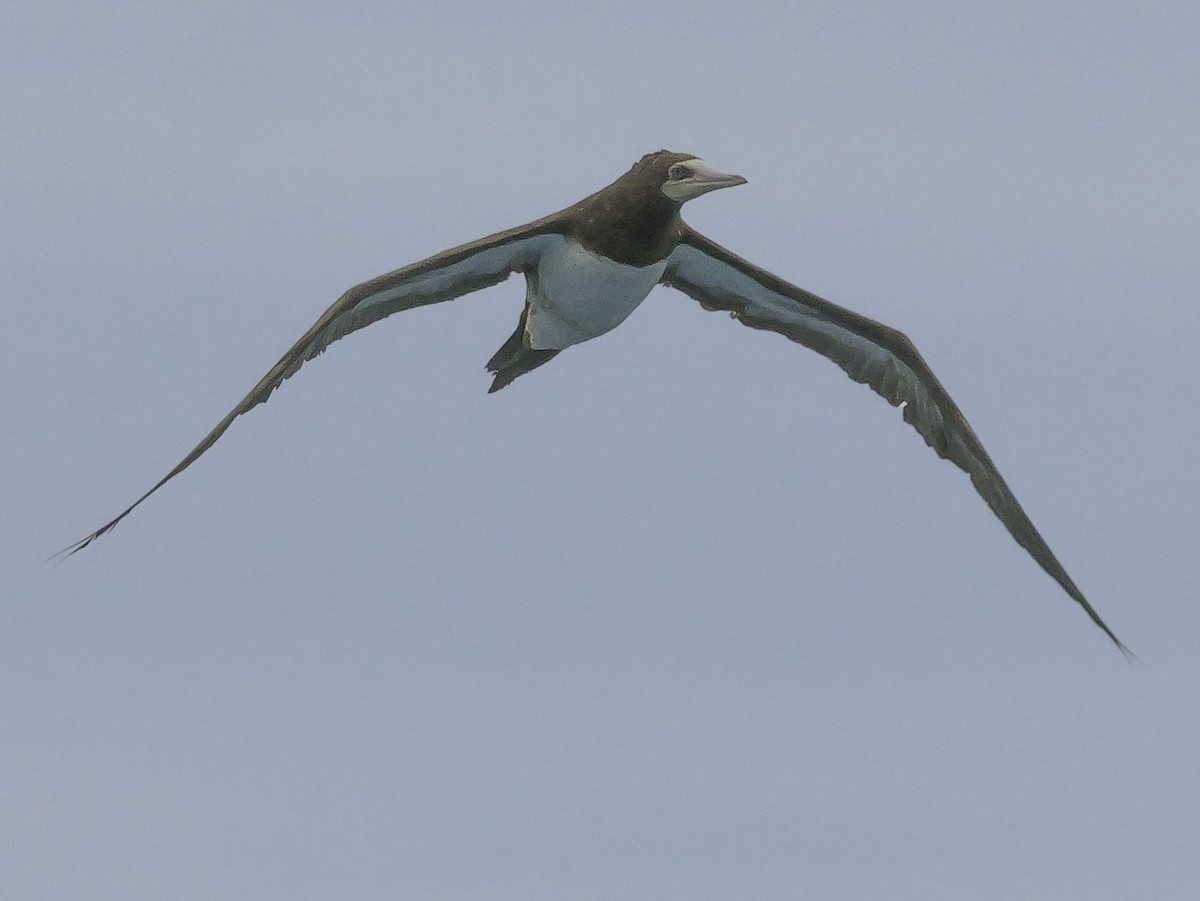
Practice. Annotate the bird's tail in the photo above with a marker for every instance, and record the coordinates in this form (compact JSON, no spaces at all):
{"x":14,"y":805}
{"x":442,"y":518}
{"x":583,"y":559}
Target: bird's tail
{"x":515,"y":357}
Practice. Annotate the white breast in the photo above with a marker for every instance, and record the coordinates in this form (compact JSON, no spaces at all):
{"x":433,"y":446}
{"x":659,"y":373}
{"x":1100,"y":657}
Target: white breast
{"x":576,"y":295}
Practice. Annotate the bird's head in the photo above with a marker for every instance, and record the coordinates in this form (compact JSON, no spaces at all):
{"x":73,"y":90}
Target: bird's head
{"x":683,"y":177}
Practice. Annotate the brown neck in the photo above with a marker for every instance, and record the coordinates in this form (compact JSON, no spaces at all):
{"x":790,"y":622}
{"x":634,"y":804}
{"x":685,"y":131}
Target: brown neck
{"x":633,"y":223}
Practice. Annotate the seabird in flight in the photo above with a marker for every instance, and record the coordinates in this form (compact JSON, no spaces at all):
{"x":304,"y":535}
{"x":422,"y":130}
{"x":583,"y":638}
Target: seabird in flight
{"x":588,"y":267}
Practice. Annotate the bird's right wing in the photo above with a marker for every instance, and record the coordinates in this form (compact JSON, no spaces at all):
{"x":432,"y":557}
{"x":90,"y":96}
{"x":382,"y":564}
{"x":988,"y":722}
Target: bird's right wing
{"x":870,"y":353}
{"x":447,"y":275}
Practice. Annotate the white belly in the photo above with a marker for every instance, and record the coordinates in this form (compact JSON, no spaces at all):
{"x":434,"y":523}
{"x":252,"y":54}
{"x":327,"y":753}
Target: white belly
{"x":576,"y":295}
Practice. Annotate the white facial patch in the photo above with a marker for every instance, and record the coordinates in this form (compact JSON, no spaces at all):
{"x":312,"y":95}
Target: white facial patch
{"x":682,"y":189}
{"x":691,"y":178}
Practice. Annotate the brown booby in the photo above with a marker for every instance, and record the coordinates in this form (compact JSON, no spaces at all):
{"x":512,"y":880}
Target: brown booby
{"x":588,"y":267}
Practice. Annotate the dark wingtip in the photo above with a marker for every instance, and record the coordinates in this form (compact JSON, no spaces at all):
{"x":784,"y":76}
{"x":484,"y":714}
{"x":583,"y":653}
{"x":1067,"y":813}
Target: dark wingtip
{"x":1095,"y":617}
{"x":72,"y":549}
{"x":1077,"y":595}
{"x":1121,"y":646}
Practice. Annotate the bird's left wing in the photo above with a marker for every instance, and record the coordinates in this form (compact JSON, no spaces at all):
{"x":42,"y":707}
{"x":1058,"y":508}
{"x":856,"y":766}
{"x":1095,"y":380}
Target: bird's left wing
{"x":871,"y":353}
{"x":447,"y":275}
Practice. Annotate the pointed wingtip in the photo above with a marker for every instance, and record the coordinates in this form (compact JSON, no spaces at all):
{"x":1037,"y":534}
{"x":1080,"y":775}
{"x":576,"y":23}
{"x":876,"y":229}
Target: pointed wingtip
{"x":71,"y":549}
{"x":1129,"y":655}
{"x":1095,"y":617}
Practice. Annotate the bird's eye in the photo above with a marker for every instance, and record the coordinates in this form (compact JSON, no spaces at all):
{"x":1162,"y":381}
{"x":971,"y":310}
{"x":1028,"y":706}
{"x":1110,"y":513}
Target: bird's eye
{"x":679,"y":172}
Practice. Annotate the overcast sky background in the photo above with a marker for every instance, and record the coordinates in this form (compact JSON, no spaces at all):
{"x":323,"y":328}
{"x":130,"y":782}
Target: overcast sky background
{"x":685,"y":613}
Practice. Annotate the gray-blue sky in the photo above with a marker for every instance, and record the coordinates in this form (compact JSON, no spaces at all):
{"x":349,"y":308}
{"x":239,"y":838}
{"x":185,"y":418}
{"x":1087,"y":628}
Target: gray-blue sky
{"x":685,"y":613}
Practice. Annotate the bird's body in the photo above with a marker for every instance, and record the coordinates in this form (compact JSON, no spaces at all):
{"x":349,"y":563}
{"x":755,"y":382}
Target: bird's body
{"x":589,"y":266}
{"x":575,"y":295}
